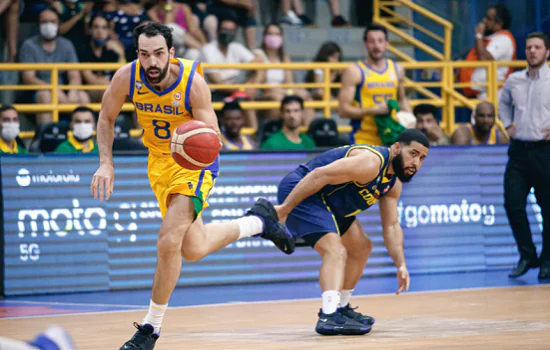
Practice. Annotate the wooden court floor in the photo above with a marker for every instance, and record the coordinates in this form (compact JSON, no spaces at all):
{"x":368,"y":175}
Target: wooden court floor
{"x":495,"y":318}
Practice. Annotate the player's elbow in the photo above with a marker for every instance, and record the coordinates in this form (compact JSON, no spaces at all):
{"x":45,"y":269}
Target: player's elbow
{"x":343,"y":111}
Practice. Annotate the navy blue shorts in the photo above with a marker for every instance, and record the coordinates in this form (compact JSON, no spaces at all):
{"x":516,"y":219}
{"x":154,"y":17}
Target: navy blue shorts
{"x":311,"y":219}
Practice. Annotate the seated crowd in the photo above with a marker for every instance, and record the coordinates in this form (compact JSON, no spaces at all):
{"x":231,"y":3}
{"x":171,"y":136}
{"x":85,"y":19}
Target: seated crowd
{"x":207,"y":30}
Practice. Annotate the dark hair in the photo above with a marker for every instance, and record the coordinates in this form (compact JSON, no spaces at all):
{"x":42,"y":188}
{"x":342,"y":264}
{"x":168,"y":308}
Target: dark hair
{"x":410,"y":135}
{"x":151,"y":29}
{"x":503,"y":16}
{"x":226,"y":18}
{"x":373,"y":28}
{"x":95,"y":16}
{"x":425,"y":108}
{"x":326,"y":50}
{"x":281,"y":50}
{"x":540,"y":35}
{"x":83,"y":109}
{"x":51,"y":9}
{"x":290,"y":99}
{"x":5,"y":108}
{"x":231,"y":106}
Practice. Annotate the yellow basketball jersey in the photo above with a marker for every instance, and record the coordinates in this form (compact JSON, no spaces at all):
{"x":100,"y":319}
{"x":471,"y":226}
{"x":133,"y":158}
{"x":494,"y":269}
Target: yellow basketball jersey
{"x":160,"y":113}
{"x":376,"y":88}
{"x":246,"y":144}
{"x":492,"y":139}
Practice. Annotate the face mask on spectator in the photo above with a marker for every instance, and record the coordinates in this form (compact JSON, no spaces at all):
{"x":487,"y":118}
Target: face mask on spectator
{"x":83,"y":131}
{"x":226,"y":37}
{"x":100,"y":43}
{"x":10,"y":131}
{"x":72,"y":1}
{"x":48,"y":30}
{"x":273,"y":41}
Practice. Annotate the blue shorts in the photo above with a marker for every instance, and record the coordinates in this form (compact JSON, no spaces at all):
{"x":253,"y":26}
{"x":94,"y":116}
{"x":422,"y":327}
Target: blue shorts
{"x":311,"y":219}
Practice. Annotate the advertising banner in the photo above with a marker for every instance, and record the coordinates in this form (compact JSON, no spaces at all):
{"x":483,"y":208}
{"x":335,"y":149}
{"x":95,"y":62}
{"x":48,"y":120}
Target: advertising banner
{"x":59,"y":239}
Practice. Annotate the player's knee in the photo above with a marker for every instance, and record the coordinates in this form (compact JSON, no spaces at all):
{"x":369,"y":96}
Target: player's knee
{"x":43,"y":96}
{"x":365,"y":247}
{"x":336,"y":252}
{"x":193,"y":254}
{"x":168,"y":246}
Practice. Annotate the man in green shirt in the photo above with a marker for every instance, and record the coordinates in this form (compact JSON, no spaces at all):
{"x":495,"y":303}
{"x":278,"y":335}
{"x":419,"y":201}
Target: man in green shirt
{"x":80,"y":138}
{"x":9,"y":129}
{"x":290,"y":137}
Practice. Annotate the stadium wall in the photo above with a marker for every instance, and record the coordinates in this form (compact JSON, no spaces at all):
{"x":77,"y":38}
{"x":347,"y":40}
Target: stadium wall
{"x":59,"y":239}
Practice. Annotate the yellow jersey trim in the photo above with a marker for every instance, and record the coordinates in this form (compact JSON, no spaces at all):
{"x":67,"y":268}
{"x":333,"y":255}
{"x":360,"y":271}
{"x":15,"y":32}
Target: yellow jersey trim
{"x":354,"y":213}
{"x":77,"y":145}
{"x":382,"y":162}
{"x":4,"y":147}
{"x":331,"y":214}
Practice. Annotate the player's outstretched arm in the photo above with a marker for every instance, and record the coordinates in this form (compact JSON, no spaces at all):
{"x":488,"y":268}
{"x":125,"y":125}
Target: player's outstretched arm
{"x":393,"y":235}
{"x":103,"y":181}
{"x":361,"y":168}
{"x":200,"y":100}
{"x":350,"y":79}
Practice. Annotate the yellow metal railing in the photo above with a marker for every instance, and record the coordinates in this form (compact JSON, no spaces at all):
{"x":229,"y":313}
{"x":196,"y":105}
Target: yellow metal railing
{"x":448,"y":97}
{"x":391,"y":18}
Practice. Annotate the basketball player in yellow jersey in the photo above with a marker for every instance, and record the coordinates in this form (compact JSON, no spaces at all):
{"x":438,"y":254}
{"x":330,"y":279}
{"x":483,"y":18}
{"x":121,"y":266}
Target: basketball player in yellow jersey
{"x":368,"y":85}
{"x":483,"y":132}
{"x":166,"y":92}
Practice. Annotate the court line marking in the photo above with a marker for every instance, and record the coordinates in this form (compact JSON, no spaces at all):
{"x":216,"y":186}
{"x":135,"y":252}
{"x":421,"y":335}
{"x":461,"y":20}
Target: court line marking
{"x":267,"y":302}
{"x":64,"y":303}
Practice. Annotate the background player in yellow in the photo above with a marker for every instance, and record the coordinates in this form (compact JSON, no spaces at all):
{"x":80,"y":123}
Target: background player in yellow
{"x":166,"y":92}
{"x":484,"y":131}
{"x":368,"y":85}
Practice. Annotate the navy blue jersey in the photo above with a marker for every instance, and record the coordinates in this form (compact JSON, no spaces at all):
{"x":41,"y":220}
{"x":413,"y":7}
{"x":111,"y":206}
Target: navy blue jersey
{"x":349,"y":199}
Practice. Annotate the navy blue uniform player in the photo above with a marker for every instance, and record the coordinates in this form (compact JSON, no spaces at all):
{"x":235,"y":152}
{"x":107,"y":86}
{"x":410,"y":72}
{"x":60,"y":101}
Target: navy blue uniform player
{"x":319,"y":202}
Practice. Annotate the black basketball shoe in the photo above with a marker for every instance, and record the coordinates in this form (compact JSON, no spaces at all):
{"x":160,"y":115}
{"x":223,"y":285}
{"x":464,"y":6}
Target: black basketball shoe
{"x":336,"y":324}
{"x":350,"y":312}
{"x":273,"y":229}
{"x":144,"y":339}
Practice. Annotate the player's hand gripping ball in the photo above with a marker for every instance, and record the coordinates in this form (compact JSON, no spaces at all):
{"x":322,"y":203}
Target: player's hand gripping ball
{"x":195,"y":145}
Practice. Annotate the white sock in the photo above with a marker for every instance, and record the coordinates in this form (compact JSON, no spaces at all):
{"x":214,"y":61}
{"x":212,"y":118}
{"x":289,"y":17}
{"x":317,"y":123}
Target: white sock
{"x":331,"y":299}
{"x":249,"y":226}
{"x":345,"y":297}
{"x":155,"y":315}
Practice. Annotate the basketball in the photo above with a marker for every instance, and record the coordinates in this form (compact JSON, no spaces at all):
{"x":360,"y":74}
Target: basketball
{"x":195,"y":145}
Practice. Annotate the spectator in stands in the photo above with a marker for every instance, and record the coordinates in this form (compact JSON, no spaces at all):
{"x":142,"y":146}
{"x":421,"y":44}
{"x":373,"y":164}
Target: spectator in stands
{"x":187,"y":35}
{"x":494,"y":42}
{"x":232,"y":121}
{"x":9,"y":129}
{"x":290,"y":137}
{"x":124,"y":16}
{"x":48,"y":47}
{"x":427,"y":122}
{"x":9,"y":15}
{"x":273,"y":51}
{"x":73,"y":17}
{"x":100,"y":49}
{"x":484,"y":130}
{"x":244,"y":12}
{"x":524,"y":109}
{"x":298,"y":18}
{"x":80,"y":138}
{"x":371,"y":90}
{"x":227,"y":50}
{"x":207,"y":21}
{"x":328,"y":52}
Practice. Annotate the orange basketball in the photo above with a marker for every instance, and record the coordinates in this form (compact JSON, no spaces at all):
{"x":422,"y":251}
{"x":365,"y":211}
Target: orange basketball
{"x":195,"y":145}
